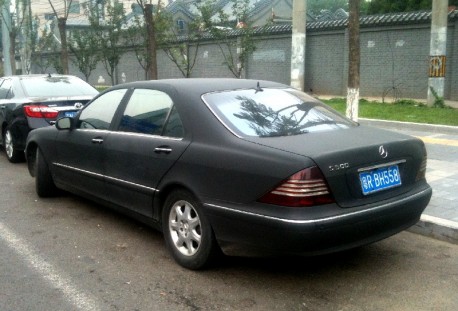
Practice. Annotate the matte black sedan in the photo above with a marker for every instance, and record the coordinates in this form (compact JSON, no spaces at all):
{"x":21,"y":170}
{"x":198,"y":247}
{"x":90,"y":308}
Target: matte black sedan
{"x":31,"y":101}
{"x":247,"y":167}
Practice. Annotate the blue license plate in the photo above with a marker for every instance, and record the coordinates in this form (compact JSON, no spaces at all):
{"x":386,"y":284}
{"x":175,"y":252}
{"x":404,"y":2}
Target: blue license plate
{"x":380,"y":179}
{"x":70,"y":114}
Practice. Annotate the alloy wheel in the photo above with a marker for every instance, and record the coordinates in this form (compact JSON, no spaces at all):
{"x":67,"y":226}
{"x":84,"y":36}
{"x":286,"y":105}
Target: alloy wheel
{"x":9,"y":146}
{"x":185,"y":228}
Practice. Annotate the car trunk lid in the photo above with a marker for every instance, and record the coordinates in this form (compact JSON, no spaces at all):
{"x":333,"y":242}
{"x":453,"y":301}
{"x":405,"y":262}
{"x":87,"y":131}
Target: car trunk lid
{"x":351,"y":158}
{"x":65,"y":106}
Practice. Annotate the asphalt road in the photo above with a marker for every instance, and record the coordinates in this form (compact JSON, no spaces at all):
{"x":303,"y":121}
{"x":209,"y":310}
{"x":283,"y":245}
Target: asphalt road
{"x":67,"y":253}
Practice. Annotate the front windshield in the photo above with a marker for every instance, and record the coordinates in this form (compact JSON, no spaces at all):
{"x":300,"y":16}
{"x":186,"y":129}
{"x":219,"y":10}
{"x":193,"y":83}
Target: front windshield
{"x":273,"y":112}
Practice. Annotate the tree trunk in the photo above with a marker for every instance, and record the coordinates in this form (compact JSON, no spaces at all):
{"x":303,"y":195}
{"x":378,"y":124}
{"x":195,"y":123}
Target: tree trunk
{"x":354,"y":61}
{"x":151,"y":61}
{"x":62,"y":24}
{"x":12,"y":51}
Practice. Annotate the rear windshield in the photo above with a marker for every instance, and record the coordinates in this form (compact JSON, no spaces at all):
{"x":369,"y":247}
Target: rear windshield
{"x":56,"y":86}
{"x":273,"y":112}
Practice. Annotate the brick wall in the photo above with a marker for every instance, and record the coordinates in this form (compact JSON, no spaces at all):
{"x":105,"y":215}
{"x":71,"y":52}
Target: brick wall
{"x":451,"y":75}
{"x":394,"y":62}
{"x":271,"y":60}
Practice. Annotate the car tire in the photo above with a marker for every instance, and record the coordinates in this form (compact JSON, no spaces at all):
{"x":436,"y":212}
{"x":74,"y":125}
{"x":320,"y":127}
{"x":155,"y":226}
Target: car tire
{"x":44,"y":184}
{"x":12,"y":153}
{"x":187,"y":231}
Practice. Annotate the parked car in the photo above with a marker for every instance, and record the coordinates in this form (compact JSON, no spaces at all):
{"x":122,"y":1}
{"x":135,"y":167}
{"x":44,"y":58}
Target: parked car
{"x":243,"y":166}
{"x":32,"y":101}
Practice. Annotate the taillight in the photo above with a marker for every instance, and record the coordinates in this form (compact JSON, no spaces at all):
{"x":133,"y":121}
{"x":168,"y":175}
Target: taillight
{"x":36,"y":111}
{"x":305,"y":188}
{"x":421,"y":174}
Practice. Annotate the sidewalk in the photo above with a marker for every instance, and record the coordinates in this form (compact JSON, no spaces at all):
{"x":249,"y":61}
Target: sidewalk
{"x":440,"y":218}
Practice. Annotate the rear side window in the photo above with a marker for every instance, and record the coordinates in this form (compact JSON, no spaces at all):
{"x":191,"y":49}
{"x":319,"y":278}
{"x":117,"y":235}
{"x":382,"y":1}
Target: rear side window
{"x":174,"y":127}
{"x":151,"y":112}
{"x":99,"y":113}
{"x":5,"y":89}
{"x":273,"y":112}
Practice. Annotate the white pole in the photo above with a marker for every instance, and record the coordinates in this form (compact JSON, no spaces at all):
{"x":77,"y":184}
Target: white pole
{"x":437,"y":52}
{"x":298,"y":44}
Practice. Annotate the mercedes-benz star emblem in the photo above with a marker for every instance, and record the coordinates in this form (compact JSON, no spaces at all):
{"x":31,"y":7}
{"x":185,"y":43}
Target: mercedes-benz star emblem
{"x":383,"y":152}
{"x":79,"y":105}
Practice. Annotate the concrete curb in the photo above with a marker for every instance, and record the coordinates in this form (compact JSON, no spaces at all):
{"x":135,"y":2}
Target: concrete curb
{"x":422,"y":127}
{"x":438,"y":228}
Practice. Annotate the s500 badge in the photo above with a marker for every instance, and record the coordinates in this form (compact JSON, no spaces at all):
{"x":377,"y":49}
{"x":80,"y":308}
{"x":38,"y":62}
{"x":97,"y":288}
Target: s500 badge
{"x":338,"y":167}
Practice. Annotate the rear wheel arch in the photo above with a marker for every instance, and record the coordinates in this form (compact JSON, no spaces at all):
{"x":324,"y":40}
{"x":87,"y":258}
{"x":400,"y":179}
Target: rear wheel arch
{"x":164,"y":193}
{"x":44,"y":183}
{"x":187,"y":231}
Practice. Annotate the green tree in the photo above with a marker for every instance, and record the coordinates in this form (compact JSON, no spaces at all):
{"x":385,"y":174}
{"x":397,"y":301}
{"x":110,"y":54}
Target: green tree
{"x":391,"y":6}
{"x":152,"y":20}
{"x":30,"y":38}
{"x":42,"y":48}
{"x":110,"y":32}
{"x":15,"y":22}
{"x":235,"y":45}
{"x":84,"y":44}
{"x":181,"y":48}
{"x":316,"y":6}
{"x":62,"y":26}
{"x":134,"y":36}
{"x":143,"y":35}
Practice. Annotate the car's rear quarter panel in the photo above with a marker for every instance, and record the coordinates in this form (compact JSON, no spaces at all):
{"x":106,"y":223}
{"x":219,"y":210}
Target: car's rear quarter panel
{"x":233,"y":170}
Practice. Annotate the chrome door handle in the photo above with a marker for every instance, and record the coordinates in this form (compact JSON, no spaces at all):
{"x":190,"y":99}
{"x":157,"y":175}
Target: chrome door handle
{"x":97,"y":141}
{"x":165,"y":150}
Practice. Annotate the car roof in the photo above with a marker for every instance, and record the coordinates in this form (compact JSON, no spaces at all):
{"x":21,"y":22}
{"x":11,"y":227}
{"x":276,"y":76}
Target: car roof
{"x":203,"y":85}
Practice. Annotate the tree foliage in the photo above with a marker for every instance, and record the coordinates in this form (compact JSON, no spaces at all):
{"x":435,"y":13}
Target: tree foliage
{"x":181,"y":47}
{"x":144,"y":33}
{"x":369,"y":7}
{"x":110,"y":32}
{"x":62,"y":26}
{"x":84,"y":44}
{"x":391,"y":6}
{"x":135,"y":34}
{"x":14,"y":26}
{"x":235,"y":46}
{"x":41,"y":47}
{"x":150,"y":16}
{"x":317,"y":6}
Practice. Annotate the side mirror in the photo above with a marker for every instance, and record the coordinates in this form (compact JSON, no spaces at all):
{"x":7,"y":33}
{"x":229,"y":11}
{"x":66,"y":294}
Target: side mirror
{"x":65,"y":123}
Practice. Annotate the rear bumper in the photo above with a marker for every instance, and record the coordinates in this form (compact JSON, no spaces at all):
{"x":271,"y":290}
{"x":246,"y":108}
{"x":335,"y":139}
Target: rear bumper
{"x":21,"y":127}
{"x":241,"y":232}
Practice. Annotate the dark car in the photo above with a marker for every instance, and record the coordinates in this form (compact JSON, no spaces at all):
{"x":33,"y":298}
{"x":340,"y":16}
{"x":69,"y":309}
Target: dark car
{"x":243,"y":166}
{"x":32,"y":101}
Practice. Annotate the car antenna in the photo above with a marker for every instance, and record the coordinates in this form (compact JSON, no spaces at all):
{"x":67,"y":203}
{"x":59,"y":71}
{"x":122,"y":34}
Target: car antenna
{"x":258,"y":88}
{"x":49,"y":75}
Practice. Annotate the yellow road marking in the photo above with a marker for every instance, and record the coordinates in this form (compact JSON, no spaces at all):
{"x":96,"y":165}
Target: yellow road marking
{"x":439,"y":141}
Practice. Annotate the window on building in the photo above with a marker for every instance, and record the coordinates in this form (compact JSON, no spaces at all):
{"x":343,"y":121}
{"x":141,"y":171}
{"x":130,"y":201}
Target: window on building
{"x":180,"y":25}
